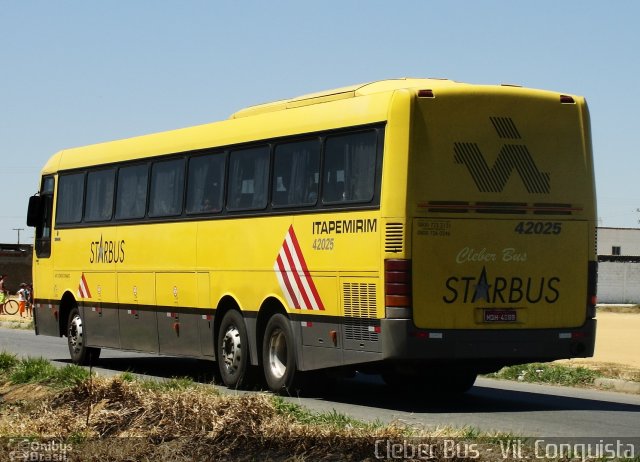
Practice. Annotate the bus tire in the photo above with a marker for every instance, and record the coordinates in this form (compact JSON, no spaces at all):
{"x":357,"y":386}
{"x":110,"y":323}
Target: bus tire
{"x":80,"y":353}
{"x":459,"y":382}
{"x":279,"y":354}
{"x":233,"y":351}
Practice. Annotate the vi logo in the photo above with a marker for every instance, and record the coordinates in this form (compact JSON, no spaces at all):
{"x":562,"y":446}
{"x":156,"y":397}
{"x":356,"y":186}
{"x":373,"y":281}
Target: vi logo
{"x":511,"y":157}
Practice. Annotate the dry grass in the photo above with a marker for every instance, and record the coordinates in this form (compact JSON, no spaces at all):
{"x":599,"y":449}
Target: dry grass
{"x":619,"y":309}
{"x":191,"y":424}
{"x":608,"y":370}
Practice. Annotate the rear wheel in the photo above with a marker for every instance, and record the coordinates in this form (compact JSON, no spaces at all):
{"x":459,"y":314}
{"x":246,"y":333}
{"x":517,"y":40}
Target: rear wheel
{"x":278,"y":355}
{"x":79,"y":352}
{"x":233,"y":351}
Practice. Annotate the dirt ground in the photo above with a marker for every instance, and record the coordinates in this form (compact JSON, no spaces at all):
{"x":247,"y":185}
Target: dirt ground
{"x":617,"y":339}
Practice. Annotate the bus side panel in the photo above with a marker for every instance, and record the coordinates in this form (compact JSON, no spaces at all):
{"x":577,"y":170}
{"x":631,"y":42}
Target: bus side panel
{"x":138,"y":317}
{"x":101,"y":325}
{"x":178,"y":332}
{"x":45,"y":316}
{"x":100,"y":313}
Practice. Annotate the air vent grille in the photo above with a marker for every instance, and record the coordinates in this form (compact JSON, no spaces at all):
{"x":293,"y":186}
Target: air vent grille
{"x":360,"y":311}
{"x":394,"y":238}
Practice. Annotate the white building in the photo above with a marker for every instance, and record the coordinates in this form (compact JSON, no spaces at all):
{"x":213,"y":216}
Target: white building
{"x":619,"y":265}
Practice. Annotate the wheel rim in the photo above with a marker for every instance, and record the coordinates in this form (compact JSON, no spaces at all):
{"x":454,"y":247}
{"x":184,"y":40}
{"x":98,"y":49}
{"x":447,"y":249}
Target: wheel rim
{"x":278,"y":354}
{"x":75,"y":333}
{"x":232,"y":349}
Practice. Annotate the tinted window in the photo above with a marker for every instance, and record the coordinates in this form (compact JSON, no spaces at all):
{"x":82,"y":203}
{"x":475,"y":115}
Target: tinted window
{"x":350,"y":168}
{"x":131,"y":197}
{"x":167,"y":188}
{"x":99,"y":202}
{"x":43,"y":229}
{"x":248,"y":178}
{"x":70,"y":194}
{"x":296,"y":174}
{"x":205,"y":190}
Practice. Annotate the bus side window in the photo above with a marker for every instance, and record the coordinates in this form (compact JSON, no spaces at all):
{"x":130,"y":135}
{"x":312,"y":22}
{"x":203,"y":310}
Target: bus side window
{"x":131,"y":194}
{"x":167,"y":188}
{"x":248,"y":179}
{"x":296,"y":172}
{"x":350,"y":168}
{"x":205,"y":184}
{"x":99,"y":203}
{"x":70,"y":195}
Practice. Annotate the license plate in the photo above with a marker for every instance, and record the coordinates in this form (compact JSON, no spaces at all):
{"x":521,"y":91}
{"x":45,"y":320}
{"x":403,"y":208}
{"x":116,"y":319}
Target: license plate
{"x":500,"y":316}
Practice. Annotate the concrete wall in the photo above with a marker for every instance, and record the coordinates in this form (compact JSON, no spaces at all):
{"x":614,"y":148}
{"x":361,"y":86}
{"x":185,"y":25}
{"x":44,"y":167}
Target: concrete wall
{"x":619,"y":275}
{"x":619,"y":282}
{"x":15,"y":262}
{"x":628,"y":239}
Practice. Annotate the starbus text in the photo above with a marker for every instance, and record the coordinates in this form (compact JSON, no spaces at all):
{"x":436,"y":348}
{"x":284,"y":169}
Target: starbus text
{"x":107,"y":251}
{"x":470,"y":289}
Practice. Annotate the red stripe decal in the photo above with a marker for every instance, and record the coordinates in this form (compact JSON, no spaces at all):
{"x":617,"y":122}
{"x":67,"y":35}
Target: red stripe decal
{"x":296,"y":276}
{"x":293,"y":275}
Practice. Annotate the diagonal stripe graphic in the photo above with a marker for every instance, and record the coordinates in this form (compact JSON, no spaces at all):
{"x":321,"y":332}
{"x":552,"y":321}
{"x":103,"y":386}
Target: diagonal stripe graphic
{"x":83,"y":288}
{"x":293,"y":275}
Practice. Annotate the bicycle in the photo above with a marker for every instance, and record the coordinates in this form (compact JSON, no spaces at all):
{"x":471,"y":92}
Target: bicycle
{"x":10,"y":306}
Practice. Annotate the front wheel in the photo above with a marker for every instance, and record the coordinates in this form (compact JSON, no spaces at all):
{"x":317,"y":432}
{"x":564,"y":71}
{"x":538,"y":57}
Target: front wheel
{"x":11,"y":307}
{"x":79,"y":352}
{"x":278,"y":355}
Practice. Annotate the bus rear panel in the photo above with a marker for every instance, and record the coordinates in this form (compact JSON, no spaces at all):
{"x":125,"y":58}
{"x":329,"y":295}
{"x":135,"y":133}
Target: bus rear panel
{"x":502,"y":215}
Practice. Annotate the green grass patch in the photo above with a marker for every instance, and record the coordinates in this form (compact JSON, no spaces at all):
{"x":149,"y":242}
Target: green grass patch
{"x":555,"y":374}
{"x":32,"y":370}
{"x":70,"y":375}
{"x":333,"y":419}
{"x":7,"y":362}
{"x":128,"y":377}
{"x":172,"y":384}
{"x":40,"y":370}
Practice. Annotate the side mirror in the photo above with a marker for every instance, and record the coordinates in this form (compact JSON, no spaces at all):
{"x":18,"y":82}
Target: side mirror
{"x":34,"y":213}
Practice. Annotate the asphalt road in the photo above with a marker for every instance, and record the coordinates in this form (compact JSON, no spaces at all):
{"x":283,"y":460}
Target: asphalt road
{"x":491,"y":405}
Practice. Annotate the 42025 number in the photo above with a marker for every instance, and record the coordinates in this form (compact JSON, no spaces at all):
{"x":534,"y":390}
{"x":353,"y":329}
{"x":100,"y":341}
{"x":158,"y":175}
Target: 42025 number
{"x":323,"y":244}
{"x":538,"y":227}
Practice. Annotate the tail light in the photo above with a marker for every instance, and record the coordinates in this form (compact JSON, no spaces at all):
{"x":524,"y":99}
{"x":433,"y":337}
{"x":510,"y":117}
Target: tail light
{"x":397,"y":288}
{"x":592,"y":286}
{"x":566,"y":99}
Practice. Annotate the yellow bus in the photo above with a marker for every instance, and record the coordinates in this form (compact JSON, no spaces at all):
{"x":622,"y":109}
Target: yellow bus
{"x":422,"y":229}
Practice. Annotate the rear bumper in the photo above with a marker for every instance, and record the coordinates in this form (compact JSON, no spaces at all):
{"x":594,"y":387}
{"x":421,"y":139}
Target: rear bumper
{"x":401,"y":340}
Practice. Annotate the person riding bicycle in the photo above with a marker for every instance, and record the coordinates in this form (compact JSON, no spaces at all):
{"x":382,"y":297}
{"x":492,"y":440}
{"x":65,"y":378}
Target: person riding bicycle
{"x":3,"y":293}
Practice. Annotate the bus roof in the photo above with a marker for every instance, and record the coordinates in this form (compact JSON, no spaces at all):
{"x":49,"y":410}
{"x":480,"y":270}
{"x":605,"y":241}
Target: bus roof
{"x":264,"y":121}
{"x":350,"y":91}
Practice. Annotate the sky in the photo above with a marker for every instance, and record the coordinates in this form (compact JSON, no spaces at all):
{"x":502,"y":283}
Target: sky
{"x":78,"y":72}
